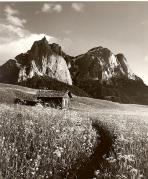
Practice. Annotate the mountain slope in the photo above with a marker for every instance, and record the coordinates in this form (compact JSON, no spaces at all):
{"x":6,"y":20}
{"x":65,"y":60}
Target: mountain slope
{"x":9,"y":72}
{"x":107,"y":76}
{"x":97,"y":73}
{"x":42,"y":59}
{"x":101,"y":64}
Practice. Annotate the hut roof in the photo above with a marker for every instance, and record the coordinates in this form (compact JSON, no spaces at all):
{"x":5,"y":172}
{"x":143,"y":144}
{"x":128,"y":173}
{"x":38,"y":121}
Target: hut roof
{"x":25,"y":96}
{"x":53,"y":93}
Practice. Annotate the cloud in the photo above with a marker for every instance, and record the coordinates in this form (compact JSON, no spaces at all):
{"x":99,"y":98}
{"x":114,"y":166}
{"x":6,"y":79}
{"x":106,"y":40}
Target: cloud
{"x":11,"y":17}
{"x":146,"y":58}
{"x":16,"y":21}
{"x":15,"y":44}
{"x":58,"y":8}
{"x":49,"y":8}
{"x":14,"y":37}
{"x":9,"y":10}
{"x":9,"y":33}
{"x":46,"y":7}
{"x":79,"y":7}
{"x":19,"y":40}
{"x":67,"y":32}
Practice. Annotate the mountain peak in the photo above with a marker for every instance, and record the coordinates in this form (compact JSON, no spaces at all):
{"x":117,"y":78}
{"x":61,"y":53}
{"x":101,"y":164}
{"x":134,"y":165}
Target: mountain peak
{"x":44,"y":59}
{"x":40,"y":44}
{"x":95,"y":49}
{"x":99,"y":72}
{"x":101,"y":64}
{"x":44,"y":38}
{"x":56,"y":48}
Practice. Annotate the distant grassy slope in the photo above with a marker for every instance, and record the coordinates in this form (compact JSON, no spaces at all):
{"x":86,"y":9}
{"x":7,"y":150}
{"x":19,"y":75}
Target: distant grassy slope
{"x":10,"y":86}
{"x":91,"y":105}
{"x":8,"y":92}
{"x":128,"y":122}
{"x":120,"y":90}
{"x":84,"y":103}
{"x":44,"y":82}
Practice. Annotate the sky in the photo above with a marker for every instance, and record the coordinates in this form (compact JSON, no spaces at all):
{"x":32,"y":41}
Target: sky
{"x":77,"y":27}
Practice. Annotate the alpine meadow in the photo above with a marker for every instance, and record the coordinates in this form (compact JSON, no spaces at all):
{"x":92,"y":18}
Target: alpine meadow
{"x":73,"y":90}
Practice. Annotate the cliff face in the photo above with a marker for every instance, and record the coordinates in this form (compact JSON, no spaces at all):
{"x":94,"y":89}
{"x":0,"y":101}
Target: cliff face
{"x":98,"y":72}
{"x":107,"y":76}
{"x":101,"y":64}
{"x":42,"y":59}
{"x":9,"y":72}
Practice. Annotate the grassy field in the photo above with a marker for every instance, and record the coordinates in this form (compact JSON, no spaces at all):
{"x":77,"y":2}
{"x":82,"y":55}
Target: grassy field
{"x":8,"y":92}
{"x":129,"y":122}
{"x":43,"y":143}
{"x":63,"y":141}
{"x":14,"y":87}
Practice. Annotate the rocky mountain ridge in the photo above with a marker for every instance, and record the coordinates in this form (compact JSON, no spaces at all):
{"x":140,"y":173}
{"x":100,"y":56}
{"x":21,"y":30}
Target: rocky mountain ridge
{"x":101,"y":64}
{"x":42,"y":59}
{"x":97,"y":73}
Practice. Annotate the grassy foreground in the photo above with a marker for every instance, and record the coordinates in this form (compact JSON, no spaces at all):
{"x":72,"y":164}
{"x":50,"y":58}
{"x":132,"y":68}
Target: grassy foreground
{"x":129,"y":123}
{"x":43,"y":143}
{"x":38,"y":142}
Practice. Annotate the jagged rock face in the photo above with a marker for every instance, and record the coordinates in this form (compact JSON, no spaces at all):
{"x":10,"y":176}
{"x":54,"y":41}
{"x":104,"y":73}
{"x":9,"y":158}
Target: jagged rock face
{"x":126,"y":69}
{"x":101,"y":64}
{"x":9,"y":71}
{"x":99,"y":73}
{"x":43,"y":59}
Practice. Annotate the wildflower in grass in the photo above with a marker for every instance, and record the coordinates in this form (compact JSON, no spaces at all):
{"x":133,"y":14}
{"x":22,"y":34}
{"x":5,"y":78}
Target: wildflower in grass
{"x":46,"y":141}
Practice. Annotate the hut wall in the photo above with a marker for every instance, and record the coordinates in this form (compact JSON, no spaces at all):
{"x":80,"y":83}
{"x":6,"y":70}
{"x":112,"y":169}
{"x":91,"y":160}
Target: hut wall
{"x":51,"y":101}
{"x":25,"y":102}
{"x":65,"y":102}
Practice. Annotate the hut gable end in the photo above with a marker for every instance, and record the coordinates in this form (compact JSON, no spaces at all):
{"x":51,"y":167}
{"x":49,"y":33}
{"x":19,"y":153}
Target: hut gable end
{"x":53,"y":93}
{"x":54,"y":98}
{"x":46,"y":97}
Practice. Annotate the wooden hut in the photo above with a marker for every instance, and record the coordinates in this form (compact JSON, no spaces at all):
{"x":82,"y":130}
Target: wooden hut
{"x":54,"y":98}
{"x":26,"y":99}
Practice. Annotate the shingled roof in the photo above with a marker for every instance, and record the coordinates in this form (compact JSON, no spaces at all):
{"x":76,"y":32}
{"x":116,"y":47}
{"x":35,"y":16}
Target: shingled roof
{"x":25,"y":96}
{"x":53,"y":93}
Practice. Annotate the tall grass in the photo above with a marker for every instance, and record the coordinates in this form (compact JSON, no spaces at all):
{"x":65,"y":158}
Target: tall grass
{"x":129,"y":158}
{"x":36,"y":142}
{"x":7,"y":96}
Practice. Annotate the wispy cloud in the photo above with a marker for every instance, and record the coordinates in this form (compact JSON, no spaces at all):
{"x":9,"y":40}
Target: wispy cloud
{"x":79,"y":7}
{"x":16,"y":21}
{"x":14,"y":37}
{"x":17,"y":40}
{"x":8,"y":32}
{"x":67,"y":32}
{"x":46,"y":7}
{"x":20,"y":45}
{"x":58,"y":8}
{"x":10,"y":11}
{"x":12,"y":17}
{"x":49,"y":8}
{"x":146,"y":58}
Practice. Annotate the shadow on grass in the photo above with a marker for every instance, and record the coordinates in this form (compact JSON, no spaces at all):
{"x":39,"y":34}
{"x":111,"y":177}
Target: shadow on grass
{"x":104,"y":146}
